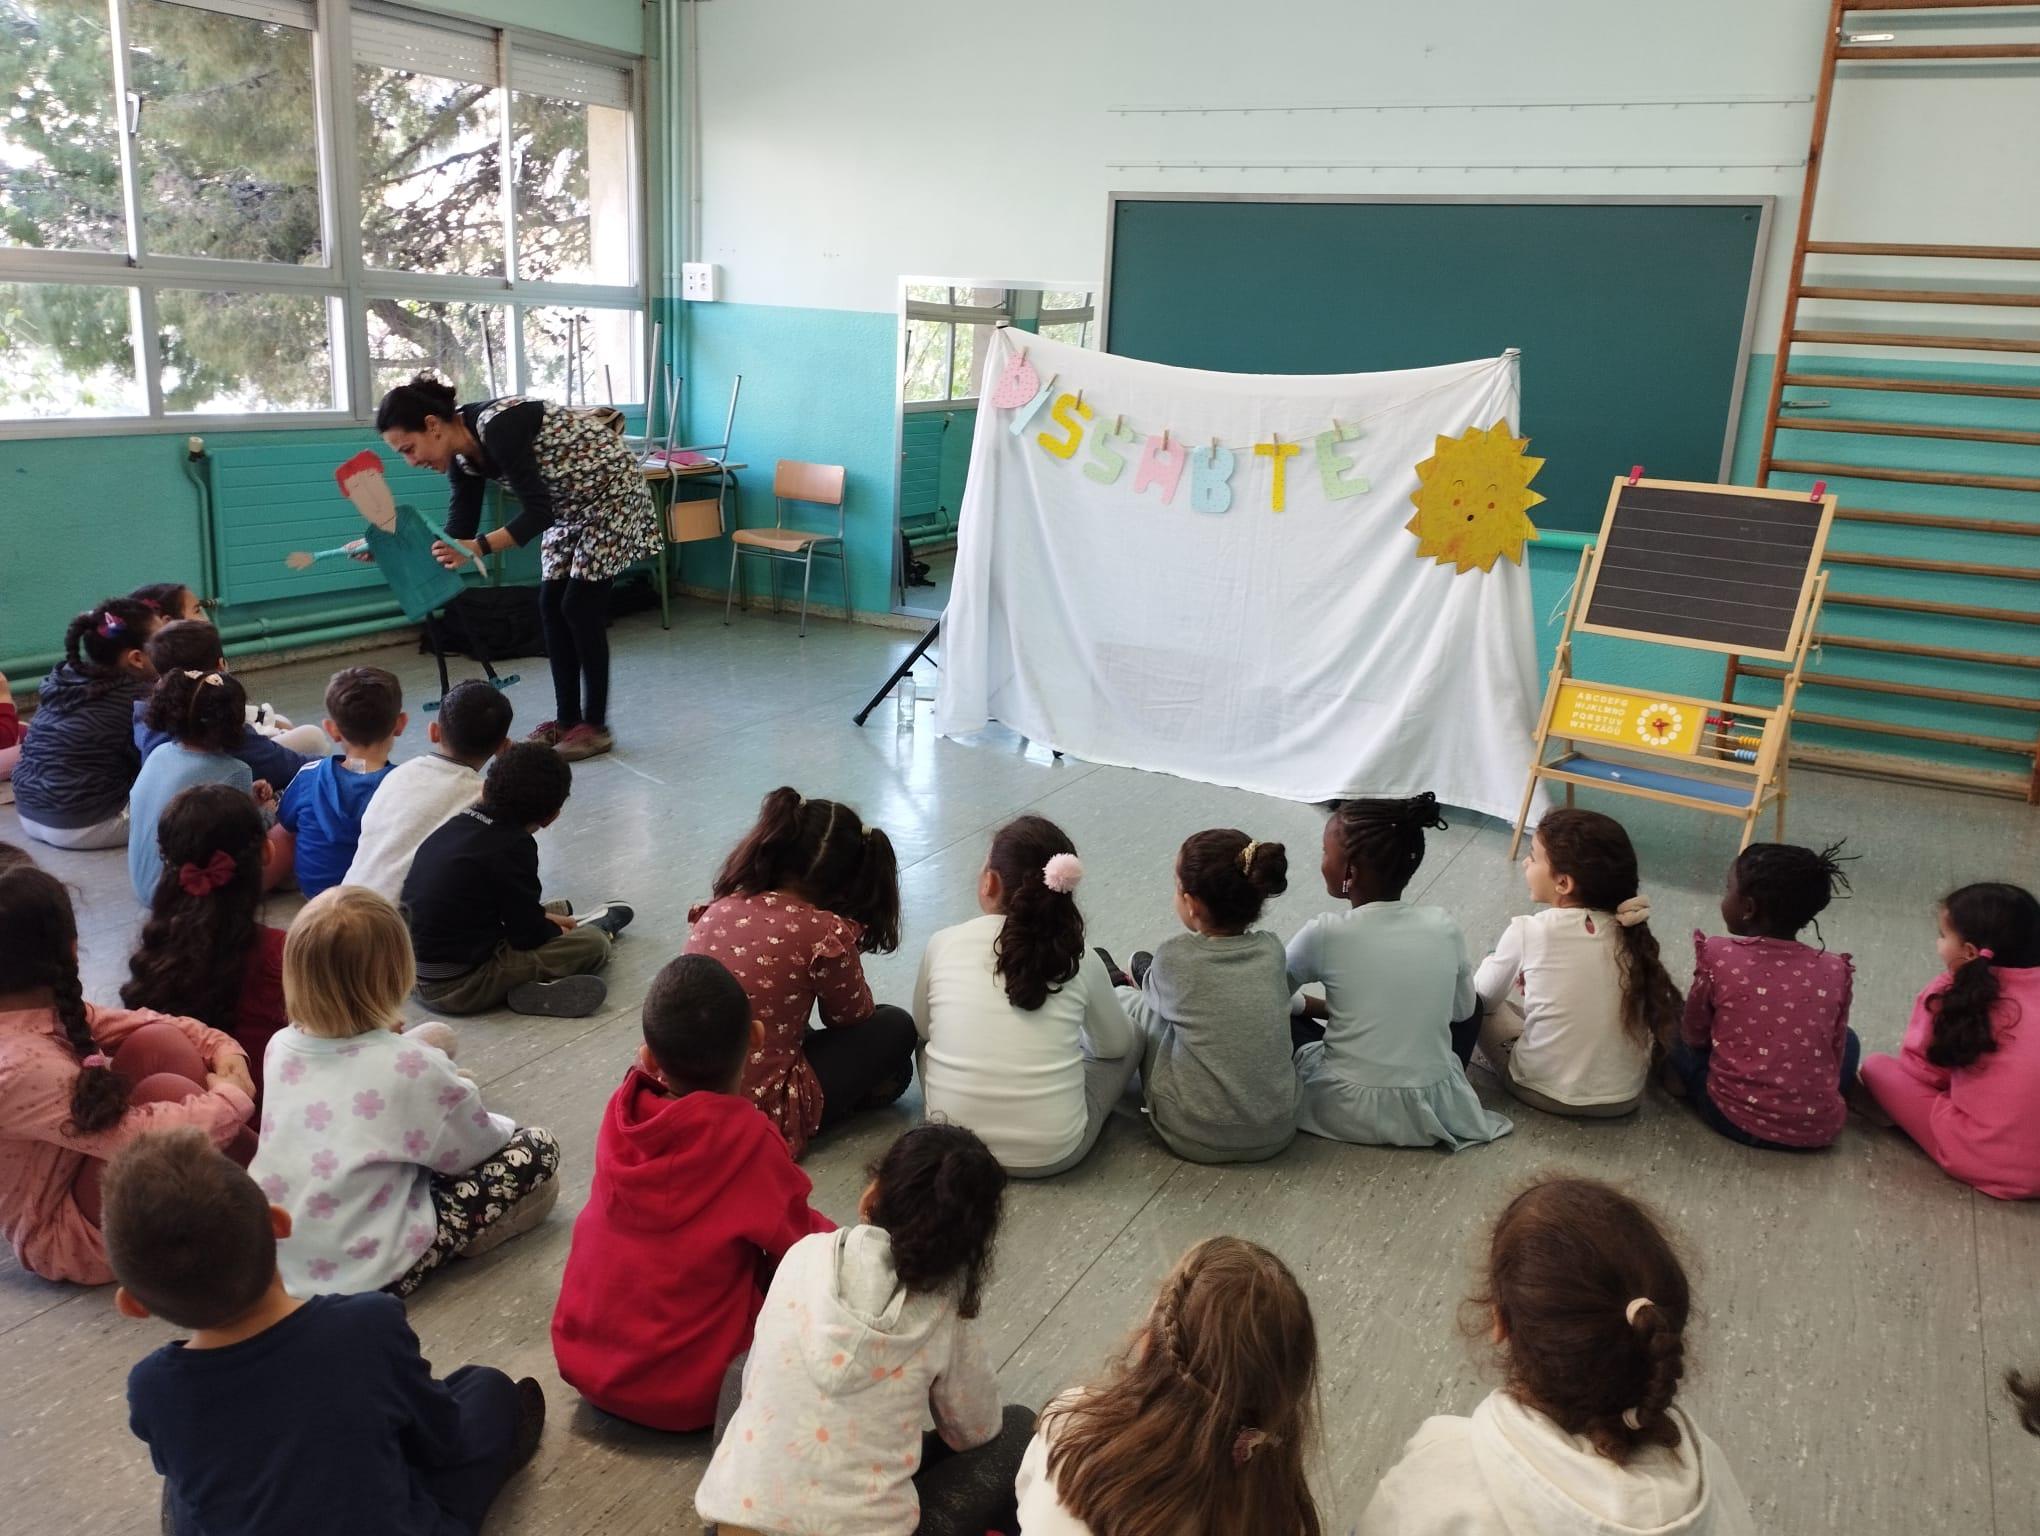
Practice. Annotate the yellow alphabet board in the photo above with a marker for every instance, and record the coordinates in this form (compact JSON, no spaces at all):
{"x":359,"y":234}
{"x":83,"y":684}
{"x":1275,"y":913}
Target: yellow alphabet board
{"x":1587,"y":711}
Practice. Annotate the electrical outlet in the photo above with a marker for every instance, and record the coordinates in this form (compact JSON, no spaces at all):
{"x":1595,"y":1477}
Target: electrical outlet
{"x":698,"y":281}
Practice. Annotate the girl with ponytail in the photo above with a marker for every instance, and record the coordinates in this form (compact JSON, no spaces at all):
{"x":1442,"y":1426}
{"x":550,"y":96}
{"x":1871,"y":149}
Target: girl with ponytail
{"x":1203,"y":1424}
{"x":809,"y":891}
{"x":204,"y":951}
{"x":1023,"y":1038}
{"x":1587,"y":1306}
{"x":1574,"y":1000}
{"x":865,"y":1336}
{"x":78,"y":1083}
{"x":1382,"y":1068}
{"x":201,"y":711}
{"x":1965,"y":1081}
{"x":1212,"y":1006}
{"x":79,"y":760}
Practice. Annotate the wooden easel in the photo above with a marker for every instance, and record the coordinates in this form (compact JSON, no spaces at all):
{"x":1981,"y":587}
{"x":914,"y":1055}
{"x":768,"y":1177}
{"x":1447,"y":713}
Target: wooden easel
{"x":1705,"y":754}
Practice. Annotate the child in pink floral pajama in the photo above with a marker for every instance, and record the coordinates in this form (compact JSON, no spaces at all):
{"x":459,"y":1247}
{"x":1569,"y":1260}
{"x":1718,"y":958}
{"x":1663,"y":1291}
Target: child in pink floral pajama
{"x":383,"y":1154}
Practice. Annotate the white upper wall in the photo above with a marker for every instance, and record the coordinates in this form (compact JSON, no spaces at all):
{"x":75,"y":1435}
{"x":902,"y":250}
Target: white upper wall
{"x":846,"y":145}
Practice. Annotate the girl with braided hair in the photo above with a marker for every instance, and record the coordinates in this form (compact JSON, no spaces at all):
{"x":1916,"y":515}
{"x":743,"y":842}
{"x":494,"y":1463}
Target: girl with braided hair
{"x":1967,"y":1076}
{"x":1575,"y":1000}
{"x":79,"y":760}
{"x":864,"y":1339}
{"x":1202,"y":1425}
{"x":1382,"y":1068}
{"x":78,"y":1083}
{"x":1587,"y":1305}
{"x":1765,"y":1054}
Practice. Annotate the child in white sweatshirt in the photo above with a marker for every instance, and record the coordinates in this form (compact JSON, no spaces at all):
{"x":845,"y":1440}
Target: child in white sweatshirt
{"x":863,"y":1348}
{"x":383,"y":1155}
{"x":1589,"y":1307}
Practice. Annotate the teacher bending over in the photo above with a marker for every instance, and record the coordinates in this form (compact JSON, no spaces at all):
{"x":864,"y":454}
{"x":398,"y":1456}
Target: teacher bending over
{"x":578,"y":485}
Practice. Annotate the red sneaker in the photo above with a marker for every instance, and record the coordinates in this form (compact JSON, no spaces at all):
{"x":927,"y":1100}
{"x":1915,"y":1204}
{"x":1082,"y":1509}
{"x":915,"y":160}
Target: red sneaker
{"x":547,"y":735}
{"x":584,"y":741}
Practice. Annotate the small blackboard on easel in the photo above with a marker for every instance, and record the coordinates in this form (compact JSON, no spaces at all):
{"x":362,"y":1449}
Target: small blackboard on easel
{"x":1727,"y":568}
{"x":1720,"y":567}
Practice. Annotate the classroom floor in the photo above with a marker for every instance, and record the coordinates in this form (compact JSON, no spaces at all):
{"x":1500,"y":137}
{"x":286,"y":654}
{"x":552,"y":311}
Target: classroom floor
{"x":1859,"y":1309}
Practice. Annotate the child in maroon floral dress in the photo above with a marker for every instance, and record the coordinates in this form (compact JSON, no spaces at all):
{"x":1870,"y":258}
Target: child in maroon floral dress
{"x":1765,"y":1051}
{"x":806,"y":894}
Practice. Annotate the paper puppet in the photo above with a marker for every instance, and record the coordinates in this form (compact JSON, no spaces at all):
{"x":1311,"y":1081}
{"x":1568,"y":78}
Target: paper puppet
{"x":399,"y":541}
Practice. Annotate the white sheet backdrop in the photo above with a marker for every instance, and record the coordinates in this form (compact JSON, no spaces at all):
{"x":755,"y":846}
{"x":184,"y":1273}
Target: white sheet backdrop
{"x":1307,"y":654}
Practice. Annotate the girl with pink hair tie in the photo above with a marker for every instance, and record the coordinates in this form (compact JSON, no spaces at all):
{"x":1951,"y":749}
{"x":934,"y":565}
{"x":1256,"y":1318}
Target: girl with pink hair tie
{"x":1022,"y":1037}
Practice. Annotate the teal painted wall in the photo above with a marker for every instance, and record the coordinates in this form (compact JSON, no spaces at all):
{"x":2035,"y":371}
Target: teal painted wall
{"x":818,"y":385}
{"x":956,"y":459}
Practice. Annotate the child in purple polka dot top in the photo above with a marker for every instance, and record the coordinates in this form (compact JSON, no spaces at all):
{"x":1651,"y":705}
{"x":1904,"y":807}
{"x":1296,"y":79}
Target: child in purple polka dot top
{"x":1765,"y":1050}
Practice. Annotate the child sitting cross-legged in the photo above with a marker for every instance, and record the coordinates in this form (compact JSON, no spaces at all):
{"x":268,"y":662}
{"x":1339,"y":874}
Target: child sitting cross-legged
{"x":78,"y":1083}
{"x":1765,"y":1053}
{"x":695,"y":1201}
{"x":1383,"y":1069}
{"x":384,"y":1156}
{"x":1213,"y":1004}
{"x":78,"y":759}
{"x":1202,"y":1426}
{"x":318,"y":820}
{"x":193,"y":645}
{"x":1574,"y":998}
{"x":201,"y":714}
{"x":1967,"y":1076}
{"x":1588,"y":1308}
{"x":281,"y":1412}
{"x":865,"y":1339}
{"x":1025,"y":1040}
{"x":203,"y":950}
{"x":799,"y":902}
{"x":484,"y":935}
{"x":468,"y":733}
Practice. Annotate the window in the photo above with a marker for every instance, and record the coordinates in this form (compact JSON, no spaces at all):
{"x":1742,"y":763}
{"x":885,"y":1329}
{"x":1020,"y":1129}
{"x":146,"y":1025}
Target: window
{"x":946,"y":329}
{"x":167,"y":168}
{"x":1067,"y":317}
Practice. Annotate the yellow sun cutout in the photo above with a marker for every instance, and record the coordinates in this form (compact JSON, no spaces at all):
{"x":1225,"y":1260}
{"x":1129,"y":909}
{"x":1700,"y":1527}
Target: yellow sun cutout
{"x":1472,"y":498}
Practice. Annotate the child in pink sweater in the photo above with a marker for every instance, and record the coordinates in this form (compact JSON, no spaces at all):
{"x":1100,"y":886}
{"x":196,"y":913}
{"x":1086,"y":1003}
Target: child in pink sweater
{"x":78,"y":1083}
{"x":1966,"y":1080}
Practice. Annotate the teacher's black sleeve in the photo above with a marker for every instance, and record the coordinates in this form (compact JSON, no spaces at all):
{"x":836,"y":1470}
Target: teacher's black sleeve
{"x":511,"y":443}
{"x":464,"y":508}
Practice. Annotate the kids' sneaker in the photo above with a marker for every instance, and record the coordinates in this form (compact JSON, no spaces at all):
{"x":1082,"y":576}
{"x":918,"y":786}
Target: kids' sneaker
{"x":547,"y":735}
{"x":571,"y":997}
{"x":612,"y":917}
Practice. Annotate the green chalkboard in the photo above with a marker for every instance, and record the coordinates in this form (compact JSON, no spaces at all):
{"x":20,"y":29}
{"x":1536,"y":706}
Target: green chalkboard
{"x":1631,"y":316}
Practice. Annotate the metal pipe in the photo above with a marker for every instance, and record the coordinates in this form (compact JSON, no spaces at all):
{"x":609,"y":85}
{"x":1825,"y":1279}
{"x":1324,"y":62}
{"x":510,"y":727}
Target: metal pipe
{"x":249,"y":637}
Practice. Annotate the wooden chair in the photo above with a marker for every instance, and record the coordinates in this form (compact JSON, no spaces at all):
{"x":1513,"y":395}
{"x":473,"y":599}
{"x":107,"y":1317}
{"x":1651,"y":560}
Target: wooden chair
{"x":793,"y":482}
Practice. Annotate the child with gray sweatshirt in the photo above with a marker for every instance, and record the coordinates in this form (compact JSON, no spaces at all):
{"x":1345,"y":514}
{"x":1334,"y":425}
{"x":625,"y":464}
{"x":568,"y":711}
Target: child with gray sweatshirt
{"x":1213,"y":1005}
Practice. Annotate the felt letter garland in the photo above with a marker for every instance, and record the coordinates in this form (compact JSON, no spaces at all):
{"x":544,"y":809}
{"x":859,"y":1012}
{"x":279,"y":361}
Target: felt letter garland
{"x":1280,"y":453}
{"x":1160,"y":465}
{"x":1067,"y":409}
{"x":1026,"y":412}
{"x":1107,"y":463}
{"x":1333,"y":466}
{"x":1210,"y":471}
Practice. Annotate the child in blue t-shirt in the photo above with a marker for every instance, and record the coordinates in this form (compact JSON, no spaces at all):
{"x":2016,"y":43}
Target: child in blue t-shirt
{"x":318,"y":822}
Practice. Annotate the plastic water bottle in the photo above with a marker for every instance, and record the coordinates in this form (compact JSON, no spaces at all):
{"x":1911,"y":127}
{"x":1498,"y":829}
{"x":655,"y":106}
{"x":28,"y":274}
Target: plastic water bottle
{"x":907,"y":694}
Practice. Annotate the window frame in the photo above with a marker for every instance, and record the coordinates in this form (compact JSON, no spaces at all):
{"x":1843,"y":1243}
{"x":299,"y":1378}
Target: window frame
{"x":345,"y":276}
{"x":949,"y":316}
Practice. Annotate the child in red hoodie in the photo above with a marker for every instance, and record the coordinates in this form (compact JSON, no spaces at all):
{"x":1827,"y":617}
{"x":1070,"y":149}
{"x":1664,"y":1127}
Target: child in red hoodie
{"x":694,"y":1202}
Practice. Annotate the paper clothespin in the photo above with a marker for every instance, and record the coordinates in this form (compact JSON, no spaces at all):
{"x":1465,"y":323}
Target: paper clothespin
{"x":1023,"y":354}
{"x":1338,"y":431}
{"x":1819,"y":490}
{"x":1165,"y":439}
{"x":1119,"y":427}
{"x":1080,"y":399}
{"x":1635,"y":473}
{"x":1277,"y":438}
{"x":1214,"y":450}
